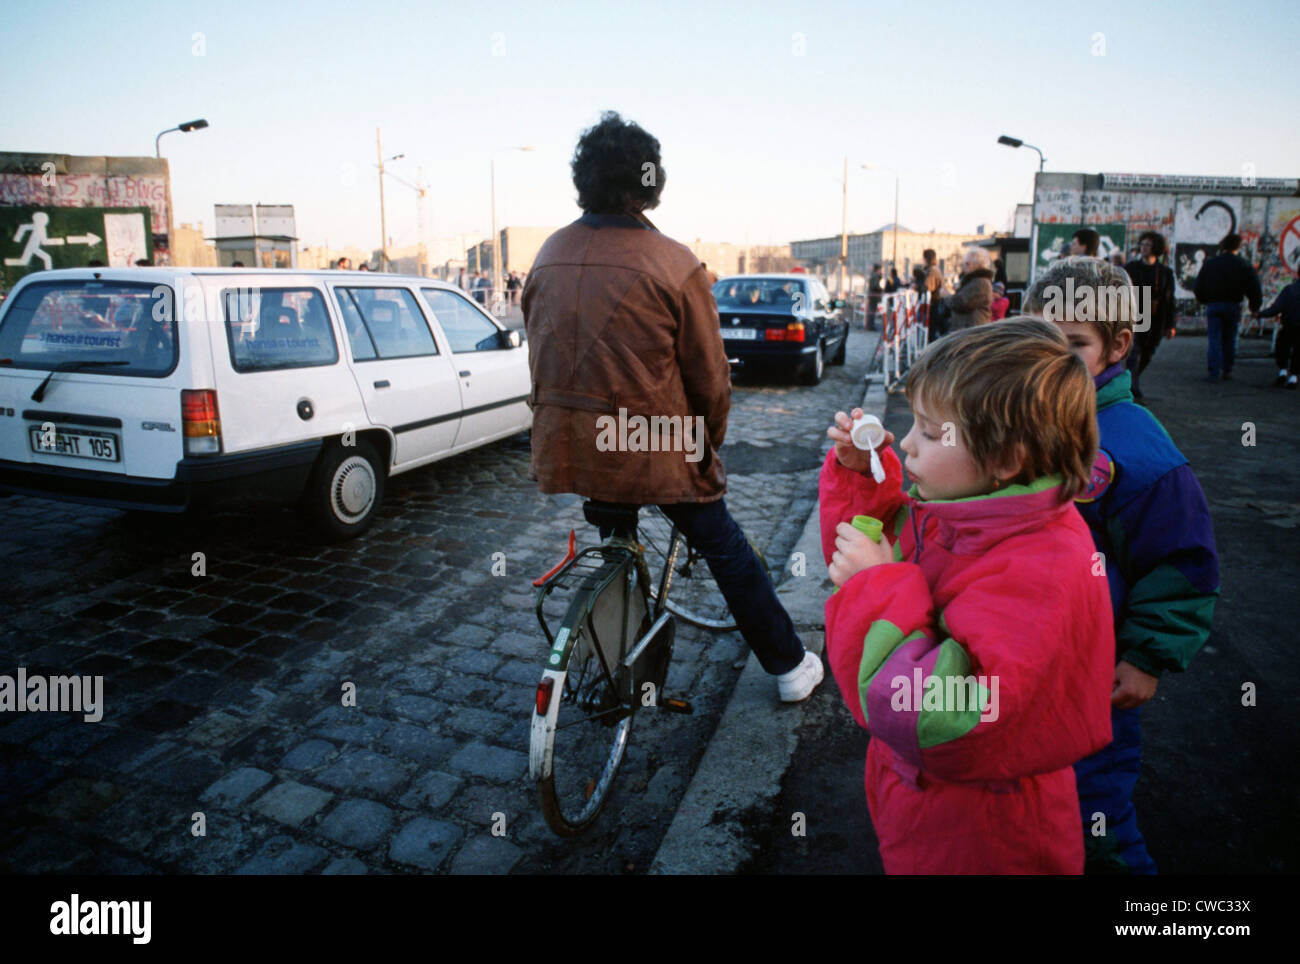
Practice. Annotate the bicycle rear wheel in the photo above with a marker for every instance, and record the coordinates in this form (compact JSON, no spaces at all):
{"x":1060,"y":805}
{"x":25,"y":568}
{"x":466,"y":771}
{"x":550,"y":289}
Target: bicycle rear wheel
{"x":693,"y":594}
{"x":583,"y":747}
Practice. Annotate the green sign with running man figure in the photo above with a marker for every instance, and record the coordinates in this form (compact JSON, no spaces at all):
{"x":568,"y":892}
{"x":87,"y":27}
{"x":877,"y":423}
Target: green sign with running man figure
{"x":44,"y":238}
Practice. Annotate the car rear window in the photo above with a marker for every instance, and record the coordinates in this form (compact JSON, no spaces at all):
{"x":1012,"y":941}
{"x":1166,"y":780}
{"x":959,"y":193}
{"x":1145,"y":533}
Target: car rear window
{"x":773,"y":294}
{"x":121,"y":328}
{"x":276,"y":328}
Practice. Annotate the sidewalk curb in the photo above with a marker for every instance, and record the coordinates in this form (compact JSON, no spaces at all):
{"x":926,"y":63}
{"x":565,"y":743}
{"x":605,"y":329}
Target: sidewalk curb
{"x":751,"y":749}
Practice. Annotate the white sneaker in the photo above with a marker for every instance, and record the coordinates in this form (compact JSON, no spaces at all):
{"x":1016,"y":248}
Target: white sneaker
{"x":799,"y":683}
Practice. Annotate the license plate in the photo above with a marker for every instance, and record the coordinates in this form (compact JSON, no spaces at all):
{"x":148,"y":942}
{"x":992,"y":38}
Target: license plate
{"x":740,"y":334}
{"x":100,"y":446}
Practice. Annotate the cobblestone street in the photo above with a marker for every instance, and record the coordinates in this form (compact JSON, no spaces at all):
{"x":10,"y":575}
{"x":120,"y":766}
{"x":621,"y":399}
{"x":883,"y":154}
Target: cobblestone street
{"x":222,"y":692}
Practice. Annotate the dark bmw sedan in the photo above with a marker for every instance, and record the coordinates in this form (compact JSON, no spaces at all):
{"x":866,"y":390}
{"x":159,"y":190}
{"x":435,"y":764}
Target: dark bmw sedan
{"x":780,"y":321}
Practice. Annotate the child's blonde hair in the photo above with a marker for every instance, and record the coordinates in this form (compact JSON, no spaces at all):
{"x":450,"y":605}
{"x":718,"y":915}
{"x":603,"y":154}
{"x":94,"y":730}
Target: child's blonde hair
{"x":1080,"y":288}
{"x":1013,"y":386}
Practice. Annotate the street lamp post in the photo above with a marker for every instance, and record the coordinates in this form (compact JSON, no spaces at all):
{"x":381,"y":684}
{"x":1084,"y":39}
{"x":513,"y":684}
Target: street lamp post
{"x":496,"y":242}
{"x":1017,"y":142}
{"x":185,"y":128}
{"x":383,"y":216}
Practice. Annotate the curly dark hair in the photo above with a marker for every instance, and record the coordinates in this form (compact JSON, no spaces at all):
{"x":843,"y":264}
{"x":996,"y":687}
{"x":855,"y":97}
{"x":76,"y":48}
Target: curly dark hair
{"x":616,"y":167}
{"x":1158,"y":245}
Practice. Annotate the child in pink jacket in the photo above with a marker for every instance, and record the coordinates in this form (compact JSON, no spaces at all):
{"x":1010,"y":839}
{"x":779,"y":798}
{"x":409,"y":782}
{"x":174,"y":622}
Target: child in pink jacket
{"x":975,"y":641}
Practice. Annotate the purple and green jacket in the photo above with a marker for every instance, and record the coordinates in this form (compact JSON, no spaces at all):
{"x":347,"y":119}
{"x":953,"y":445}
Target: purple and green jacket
{"x":1150,"y":520}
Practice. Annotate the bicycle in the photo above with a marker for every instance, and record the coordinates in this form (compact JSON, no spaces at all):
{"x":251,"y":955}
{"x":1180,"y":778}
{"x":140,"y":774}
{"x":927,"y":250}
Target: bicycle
{"x":609,"y":656}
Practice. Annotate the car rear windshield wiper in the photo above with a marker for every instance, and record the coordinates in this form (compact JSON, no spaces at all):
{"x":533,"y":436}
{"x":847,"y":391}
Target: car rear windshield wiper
{"x":71,"y":366}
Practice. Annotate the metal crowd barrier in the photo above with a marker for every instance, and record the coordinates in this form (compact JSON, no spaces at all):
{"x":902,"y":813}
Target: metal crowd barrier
{"x":904,"y":334}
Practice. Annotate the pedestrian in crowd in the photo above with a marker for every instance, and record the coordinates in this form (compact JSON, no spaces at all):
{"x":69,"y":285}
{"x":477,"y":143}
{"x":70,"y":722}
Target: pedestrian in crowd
{"x":989,"y":553}
{"x":364,"y":266}
{"x":478,"y":287}
{"x":236,"y":264}
{"x":143,"y":263}
{"x":711,"y":275}
{"x":513,"y":285}
{"x":1151,"y":524}
{"x":1221,"y":284}
{"x":934,"y":285}
{"x":999,"y":271}
{"x":1150,"y":273}
{"x":345,"y":264}
{"x":1001,"y":304}
{"x":875,"y":288}
{"x":970,"y":304}
{"x":1117,"y":258}
{"x":1287,"y":351}
{"x":621,"y":318}
{"x":461,"y":280}
{"x":895,"y":283}
{"x":1085,"y":241}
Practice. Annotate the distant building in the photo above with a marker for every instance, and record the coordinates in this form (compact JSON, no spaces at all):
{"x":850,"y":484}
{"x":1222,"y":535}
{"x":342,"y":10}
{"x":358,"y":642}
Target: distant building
{"x":190,"y":249}
{"x":261,"y":236}
{"x":822,"y":255}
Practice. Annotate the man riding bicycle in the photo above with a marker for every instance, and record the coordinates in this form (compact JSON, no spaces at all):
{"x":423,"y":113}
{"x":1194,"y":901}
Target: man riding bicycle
{"x":627,"y":360}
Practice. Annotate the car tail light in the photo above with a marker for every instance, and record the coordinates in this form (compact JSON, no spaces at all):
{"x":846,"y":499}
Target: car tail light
{"x":794,"y":331}
{"x":544,"y":690}
{"x":200,"y":421}
{"x":775,"y":334}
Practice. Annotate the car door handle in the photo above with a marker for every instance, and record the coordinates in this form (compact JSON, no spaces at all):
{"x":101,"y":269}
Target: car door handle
{"x":382,"y":384}
{"x":465,"y":373}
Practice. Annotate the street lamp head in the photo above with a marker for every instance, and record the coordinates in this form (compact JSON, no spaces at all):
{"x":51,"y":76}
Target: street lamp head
{"x":194,"y":125}
{"x":1010,"y":141}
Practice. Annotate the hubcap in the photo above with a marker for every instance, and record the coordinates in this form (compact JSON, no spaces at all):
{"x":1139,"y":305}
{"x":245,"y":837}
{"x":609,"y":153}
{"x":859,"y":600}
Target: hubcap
{"x":353,"y":489}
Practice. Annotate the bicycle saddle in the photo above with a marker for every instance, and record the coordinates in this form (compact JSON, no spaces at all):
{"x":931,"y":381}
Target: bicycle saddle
{"x":611,"y":515}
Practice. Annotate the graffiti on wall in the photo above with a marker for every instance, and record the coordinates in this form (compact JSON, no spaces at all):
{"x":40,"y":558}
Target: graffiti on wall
{"x":1192,"y":225}
{"x":92,"y":191}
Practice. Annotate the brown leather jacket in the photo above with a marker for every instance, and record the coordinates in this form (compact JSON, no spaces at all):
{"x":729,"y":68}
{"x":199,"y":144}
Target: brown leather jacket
{"x":621,"y":319}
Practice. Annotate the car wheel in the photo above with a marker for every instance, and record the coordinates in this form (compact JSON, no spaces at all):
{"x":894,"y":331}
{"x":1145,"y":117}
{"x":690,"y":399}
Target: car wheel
{"x":815,"y":367}
{"x":842,"y":352}
{"x":345,"y":490}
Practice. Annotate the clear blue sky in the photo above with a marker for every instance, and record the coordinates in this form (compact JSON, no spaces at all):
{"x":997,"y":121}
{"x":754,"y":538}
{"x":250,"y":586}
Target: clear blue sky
{"x":753,"y":132}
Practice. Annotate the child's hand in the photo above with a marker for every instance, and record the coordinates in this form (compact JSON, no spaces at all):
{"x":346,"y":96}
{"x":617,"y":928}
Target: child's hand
{"x":1132,"y":686}
{"x":854,"y":551}
{"x":848,"y":454}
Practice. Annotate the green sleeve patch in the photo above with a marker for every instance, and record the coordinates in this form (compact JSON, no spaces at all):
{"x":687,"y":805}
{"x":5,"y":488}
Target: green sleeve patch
{"x":882,"y":639}
{"x":1165,"y":621}
{"x":952,"y":700}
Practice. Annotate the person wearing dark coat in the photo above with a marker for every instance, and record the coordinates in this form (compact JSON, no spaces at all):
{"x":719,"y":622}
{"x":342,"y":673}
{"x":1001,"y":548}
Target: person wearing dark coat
{"x":1287,"y":351}
{"x":1221,"y":284}
{"x":1150,"y":273}
{"x":971,"y":304}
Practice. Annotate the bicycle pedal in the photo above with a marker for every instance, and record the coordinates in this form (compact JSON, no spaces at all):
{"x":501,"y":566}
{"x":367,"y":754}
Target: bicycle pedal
{"x":674,"y":705}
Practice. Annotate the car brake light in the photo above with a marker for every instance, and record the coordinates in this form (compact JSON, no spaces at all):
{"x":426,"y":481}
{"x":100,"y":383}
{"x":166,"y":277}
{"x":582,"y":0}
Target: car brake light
{"x":775,"y":334}
{"x":544,"y":690}
{"x":794,"y":331}
{"x":200,"y":421}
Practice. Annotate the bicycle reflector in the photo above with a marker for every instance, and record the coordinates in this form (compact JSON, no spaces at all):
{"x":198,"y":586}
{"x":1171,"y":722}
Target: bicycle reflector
{"x":544,"y":690}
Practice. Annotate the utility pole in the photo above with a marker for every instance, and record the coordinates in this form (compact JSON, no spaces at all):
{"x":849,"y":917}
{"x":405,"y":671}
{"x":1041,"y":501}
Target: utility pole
{"x":383,"y":219}
{"x":844,"y":226}
{"x":496,"y":247}
{"x":895,"y":258}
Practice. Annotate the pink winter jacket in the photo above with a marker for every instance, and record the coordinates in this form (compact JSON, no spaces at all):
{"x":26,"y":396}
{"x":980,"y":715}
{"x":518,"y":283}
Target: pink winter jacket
{"x":982,"y":663}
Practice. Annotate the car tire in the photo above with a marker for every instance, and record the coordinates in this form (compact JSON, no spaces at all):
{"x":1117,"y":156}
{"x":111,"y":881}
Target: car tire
{"x":841,"y":353}
{"x":345,"y":491}
{"x":815,"y":367}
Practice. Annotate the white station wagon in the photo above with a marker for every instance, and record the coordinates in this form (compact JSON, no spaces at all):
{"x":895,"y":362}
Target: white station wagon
{"x":161,"y":388}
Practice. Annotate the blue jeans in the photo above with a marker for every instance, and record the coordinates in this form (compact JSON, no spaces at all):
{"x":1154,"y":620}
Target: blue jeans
{"x":1221,"y":321}
{"x":762,"y":620}
{"x":1106,"y":781}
